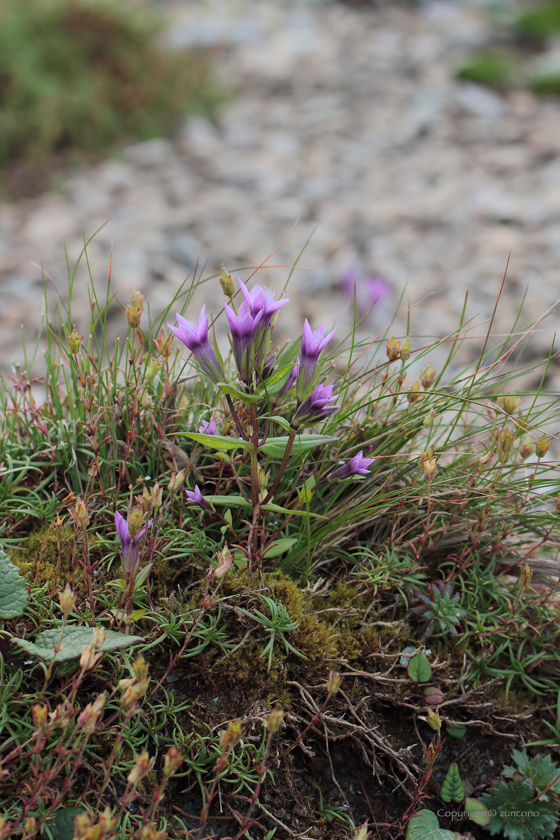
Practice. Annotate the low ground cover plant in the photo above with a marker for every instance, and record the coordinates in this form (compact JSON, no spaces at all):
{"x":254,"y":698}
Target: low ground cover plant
{"x":221,"y":571}
{"x":78,"y":76}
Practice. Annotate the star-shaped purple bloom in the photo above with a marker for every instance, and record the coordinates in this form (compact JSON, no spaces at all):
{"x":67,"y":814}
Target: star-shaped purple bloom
{"x":129,"y":545}
{"x":243,"y":326}
{"x":312,"y":343}
{"x":316,"y":407}
{"x":208,"y":427}
{"x":195,"y":338}
{"x":355,"y":466}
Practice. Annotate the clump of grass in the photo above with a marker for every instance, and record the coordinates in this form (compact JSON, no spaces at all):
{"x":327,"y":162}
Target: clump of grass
{"x":262,"y":541}
{"x":491,"y":68}
{"x":83,"y":74}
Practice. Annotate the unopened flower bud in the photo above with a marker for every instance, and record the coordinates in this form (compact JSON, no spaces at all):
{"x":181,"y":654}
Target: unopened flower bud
{"x":541,"y":447}
{"x":172,"y":761}
{"x":74,"y":341}
{"x":434,"y":720}
{"x":232,"y":735}
{"x":141,"y":769}
{"x":140,"y":667}
{"x":39,"y":714}
{"x":164,"y":343}
{"x":98,"y":637}
{"x":135,"y":309}
{"x":135,"y":520}
{"x":504,"y":441}
{"x":268,"y":366}
{"x":227,"y":284}
{"x":414,"y":392}
{"x":430,"y":467}
{"x":80,"y":513}
{"x":146,"y":400}
{"x":511,"y":404}
{"x":425,"y":456}
{"x":150,"y":832}
{"x":151,"y":499}
{"x":67,"y":600}
{"x":176,"y":481}
{"x":525,"y":576}
{"x":393,"y":349}
{"x":152,"y":370}
{"x":333,"y":683}
{"x":406,"y":350}
{"x":428,"y":377}
{"x":274,"y":721}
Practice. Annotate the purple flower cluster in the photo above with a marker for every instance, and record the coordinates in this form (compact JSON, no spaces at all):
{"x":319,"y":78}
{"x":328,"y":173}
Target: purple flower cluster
{"x":313,"y":343}
{"x":195,"y":338}
{"x":195,"y":497}
{"x":355,"y":466}
{"x":250,"y":329}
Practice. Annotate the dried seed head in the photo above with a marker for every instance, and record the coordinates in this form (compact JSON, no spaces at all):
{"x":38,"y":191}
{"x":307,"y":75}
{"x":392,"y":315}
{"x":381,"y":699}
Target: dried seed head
{"x":80,"y":513}
{"x":176,"y":481}
{"x":541,"y":447}
{"x":39,"y":714}
{"x":89,"y":717}
{"x":430,"y":467}
{"x":224,"y":563}
{"x":428,"y":377}
{"x":74,"y":342}
{"x":511,"y":404}
{"x":393,"y":349}
{"x":164,"y":343}
{"x":135,"y":309}
{"x":135,"y":520}
{"x":152,"y":370}
{"x":140,"y":770}
{"x":504,"y":440}
{"x":232,"y":735}
{"x":362,"y":833}
{"x":527,"y":448}
{"x":98,"y":637}
{"x":227,"y":284}
{"x":172,"y":761}
{"x":274,"y":721}
{"x":414,"y":392}
{"x":89,"y":658}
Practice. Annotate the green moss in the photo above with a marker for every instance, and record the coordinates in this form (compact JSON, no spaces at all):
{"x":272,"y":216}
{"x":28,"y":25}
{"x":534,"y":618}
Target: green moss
{"x":539,"y":23}
{"x":46,"y":556}
{"x":546,"y":85}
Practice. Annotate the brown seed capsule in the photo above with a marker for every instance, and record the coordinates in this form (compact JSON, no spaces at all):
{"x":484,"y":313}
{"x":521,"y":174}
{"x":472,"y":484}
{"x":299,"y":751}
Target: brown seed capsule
{"x":393,"y":349}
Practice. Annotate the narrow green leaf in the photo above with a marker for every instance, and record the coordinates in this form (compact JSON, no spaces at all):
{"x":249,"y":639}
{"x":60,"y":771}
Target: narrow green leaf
{"x":280,"y":547}
{"x":232,"y":391}
{"x":217,"y":441}
{"x":419,"y":668}
{"x":275,"y":447}
{"x":277,"y":509}
{"x":231,"y":501}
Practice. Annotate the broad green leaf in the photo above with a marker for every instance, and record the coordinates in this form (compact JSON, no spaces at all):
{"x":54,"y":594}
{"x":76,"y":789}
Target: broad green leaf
{"x":13,"y":588}
{"x":61,"y":826}
{"x":280,"y":547}
{"x":477,"y":812}
{"x":217,"y":441}
{"x":405,"y":658}
{"x":280,"y":420}
{"x":232,"y":391}
{"x":275,"y":447}
{"x":419,"y":668}
{"x":232,"y":501}
{"x":277,"y":509}
{"x":456,"y":731}
{"x":74,"y":639}
{"x":424,"y":825}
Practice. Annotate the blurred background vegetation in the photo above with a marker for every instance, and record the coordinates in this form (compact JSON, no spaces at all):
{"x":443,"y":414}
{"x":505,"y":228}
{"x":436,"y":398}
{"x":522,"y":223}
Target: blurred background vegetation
{"x":82,"y":75}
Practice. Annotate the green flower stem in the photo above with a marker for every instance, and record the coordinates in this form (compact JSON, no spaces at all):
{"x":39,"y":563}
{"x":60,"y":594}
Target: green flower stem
{"x":282,"y":468}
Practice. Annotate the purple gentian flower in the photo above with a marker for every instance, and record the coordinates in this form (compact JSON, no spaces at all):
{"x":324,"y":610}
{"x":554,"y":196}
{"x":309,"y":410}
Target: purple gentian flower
{"x":355,"y":466}
{"x":315,"y":408}
{"x":261,"y":300}
{"x":312,"y":343}
{"x":243,"y":328}
{"x":195,"y":338}
{"x":367,"y":292}
{"x":129,"y":544}
{"x":290,"y":381}
{"x":208,"y":427}
{"x":195,"y":497}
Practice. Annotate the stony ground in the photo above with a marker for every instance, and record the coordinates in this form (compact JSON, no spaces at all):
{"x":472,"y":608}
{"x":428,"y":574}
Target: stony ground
{"x":342,"y":122}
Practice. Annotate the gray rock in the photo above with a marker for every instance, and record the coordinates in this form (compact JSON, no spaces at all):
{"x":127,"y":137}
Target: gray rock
{"x":184,"y":249}
{"x":149,"y":152}
{"x":480,"y":102}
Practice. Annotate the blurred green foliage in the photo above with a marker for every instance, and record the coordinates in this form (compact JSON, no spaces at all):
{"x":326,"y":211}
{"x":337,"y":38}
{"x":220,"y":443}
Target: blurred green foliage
{"x":540,"y":22}
{"x":492,"y":68}
{"x":82,"y":74}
